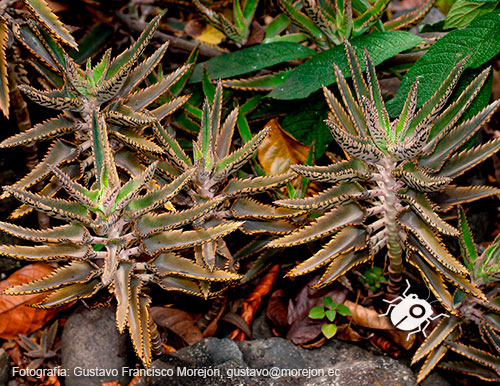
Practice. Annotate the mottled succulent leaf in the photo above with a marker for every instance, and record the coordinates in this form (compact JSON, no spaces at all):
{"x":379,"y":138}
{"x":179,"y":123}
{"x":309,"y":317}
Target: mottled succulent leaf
{"x":347,"y":239}
{"x":253,"y":185}
{"x":453,"y":195}
{"x":169,"y":263}
{"x":461,"y":162}
{"x":61,"y":209}
{"x":426,"y":210}
{"x":151,"y":223}
{"x":445,"y":147}
{"x":471,"y":369}
{"x":239,"y":157}
{"x":331,"y":222}
{"x":121,"y":288}
{"x":135,"y":51}
{"x":143,"y":98}
{"x":409,"y":19}
{"x":4,"y":81}
{"x":327,"y":199}
{"x":72,"y":273}
{"x":436,"y":337}
{"x":433,"y":279}
{"x":455,"y":278}
{"x":479,"y":356}
{"x":143,"y":70}
{"x":70,"y":293}
{"x":429,"y":238}
{"x":466,"y":240}
{"x":139,"y":206}
{"x":177,"y":239}
{"x":46,"y":252}
{"x":54,"y":99}
{"x":42,"y":12}
{"x":247,"y":208}
{"x":341,"y":264}
{"x":418,"y":179}
{"x":41,"y":132}
{"x":73,"y":233}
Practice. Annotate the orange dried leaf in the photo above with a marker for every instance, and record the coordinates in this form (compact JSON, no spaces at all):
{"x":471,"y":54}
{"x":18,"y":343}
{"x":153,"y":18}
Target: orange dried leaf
{"x":252,"y":303}
{"x":178,"y":321}
{"x":366,"y":317}
{"x":280,"y":150}
{"x":15,"y":317}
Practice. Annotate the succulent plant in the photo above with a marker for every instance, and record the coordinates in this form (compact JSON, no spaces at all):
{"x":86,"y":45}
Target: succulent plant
{"x":214,"y":166}
{"x":329,"y":22}
{"x":239,"y":29}
{"x":113,"y":239}
{"x":483,"y":317}
{"x":110,"y":87}
{"x":388,"y":193}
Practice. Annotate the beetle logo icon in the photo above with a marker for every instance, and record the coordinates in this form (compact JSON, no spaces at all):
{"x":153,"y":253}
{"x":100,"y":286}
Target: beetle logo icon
{"x":410,"y":312}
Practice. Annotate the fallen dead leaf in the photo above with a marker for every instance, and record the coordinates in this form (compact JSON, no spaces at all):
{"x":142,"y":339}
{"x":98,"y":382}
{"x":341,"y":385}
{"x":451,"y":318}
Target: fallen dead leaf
{"x":367,"y":317}
{"x":15,"y":316}
{"x":178,"y":321}
{"x":279,"y":150}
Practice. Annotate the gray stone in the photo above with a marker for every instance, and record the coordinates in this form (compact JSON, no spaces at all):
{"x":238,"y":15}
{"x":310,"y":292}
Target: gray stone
{"x":252,"y":362}
{"x":4,"y":367}
{"x":90,"y":341}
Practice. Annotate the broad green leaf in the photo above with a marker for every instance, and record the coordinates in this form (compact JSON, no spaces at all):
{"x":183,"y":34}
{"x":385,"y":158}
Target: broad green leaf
{"x":480,"y":40}
{"x":463,"y":12}
{"x":250,"y":59}
{"x":318,"y":71}
{"x":343,"y":310}
{"x":317,"y":312}
{"x":329,"y":330}
{"x":330,"y":315}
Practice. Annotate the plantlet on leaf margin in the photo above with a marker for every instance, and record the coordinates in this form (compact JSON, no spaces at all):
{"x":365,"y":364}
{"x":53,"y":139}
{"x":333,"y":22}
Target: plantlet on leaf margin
{"x":385,"y":193}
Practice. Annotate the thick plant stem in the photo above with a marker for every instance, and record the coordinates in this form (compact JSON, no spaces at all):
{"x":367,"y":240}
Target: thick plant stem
{"x":391,"y":206}
{"x":395,"y":254}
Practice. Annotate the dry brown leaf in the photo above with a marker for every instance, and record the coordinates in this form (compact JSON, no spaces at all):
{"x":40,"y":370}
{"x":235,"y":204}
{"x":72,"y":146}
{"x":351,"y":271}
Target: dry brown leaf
{"x":346,"y":332}
{"x":401,"y":338}
{"x":366,"y":317}
{"x":252,"y":303}
{"x":280,"y":150}
{"x":15,"y":317}
{"x":205,"y":34}
{"x":178,"y":321}
{"x":276,"y":310}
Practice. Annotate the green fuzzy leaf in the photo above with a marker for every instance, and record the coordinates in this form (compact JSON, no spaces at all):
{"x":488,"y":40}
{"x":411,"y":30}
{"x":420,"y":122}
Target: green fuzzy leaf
{"x":480,"y":40}
{"x":250,"y":59}
{"x":317,"y":312}
{"x":317,"y":71}
{"x":329,"y":330}
{"x":463,"y":12}
{"x":343,"y":310}
{"x":330,"y":315}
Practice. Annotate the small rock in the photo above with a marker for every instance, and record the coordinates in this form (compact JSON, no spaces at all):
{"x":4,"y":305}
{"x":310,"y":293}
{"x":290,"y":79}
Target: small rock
{"x":4,"y":367}
{"x":91,"y":342}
